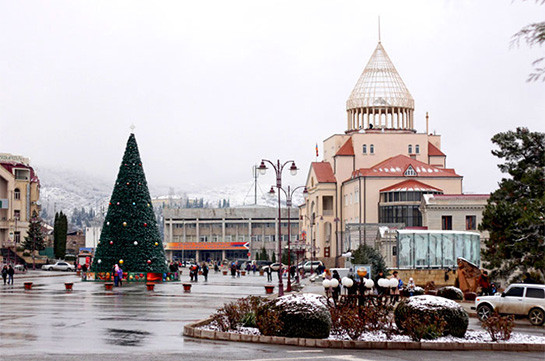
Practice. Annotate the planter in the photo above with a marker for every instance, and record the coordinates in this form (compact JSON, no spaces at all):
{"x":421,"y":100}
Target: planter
{"x":224,"y":273}
{"x":200,"y":273}
{"x":78,"y":272}
{"x":187,"y":287}
{"x":150,"y":286}
{"x":269,"y":290}
{"x":243,"y":273}
{"x":68,"y":286}
{"x":28,"y":285}
{"x":470,"y":296}
{"x":108,"y":286}
{"x":261,"y":273}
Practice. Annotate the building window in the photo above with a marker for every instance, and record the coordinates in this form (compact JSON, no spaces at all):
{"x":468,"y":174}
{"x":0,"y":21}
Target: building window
{"x":417,"y":149}
{"x":17,"y":193}
{"x":364,"y":149}
{"x":410,"y":149}
{"x":471,"y":222}
{"x":408,"y":214}
{"x":345,"y":200}
{"x":17,"y":214}
{"x":446,"y":223}
{"x":372,"y":149}
{"x":410,"y":172}
{"x":357,"y":196}
{"x":17,"y":237}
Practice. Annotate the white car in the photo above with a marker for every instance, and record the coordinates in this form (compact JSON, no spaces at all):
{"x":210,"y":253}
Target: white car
{"x":520,"y":299}
{"x":310,"y":265}
{"x":59,"y":266}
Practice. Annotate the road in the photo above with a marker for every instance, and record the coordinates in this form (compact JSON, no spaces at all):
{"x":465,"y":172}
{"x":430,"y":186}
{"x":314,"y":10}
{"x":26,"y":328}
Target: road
{"x":130,"y":323}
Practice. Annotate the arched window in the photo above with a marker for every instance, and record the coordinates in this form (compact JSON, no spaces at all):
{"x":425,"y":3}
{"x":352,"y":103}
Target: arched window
{"x":371,"y":149}
{"x":17,"y":193}
{"x":410,"y":150}
{"x":364,"y":149}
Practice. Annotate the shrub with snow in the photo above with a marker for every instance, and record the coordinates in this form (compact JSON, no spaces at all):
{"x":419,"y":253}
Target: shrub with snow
{"x":299,"y":315}
{"x":422,"y":307}
{"x":452,"y":293}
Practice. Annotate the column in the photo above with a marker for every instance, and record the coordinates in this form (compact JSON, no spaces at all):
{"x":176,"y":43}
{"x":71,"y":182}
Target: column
{"x":197,"y":230}
{"x":347,"y":119}
{"x":223,"y":229}
{"x":170,"y":231}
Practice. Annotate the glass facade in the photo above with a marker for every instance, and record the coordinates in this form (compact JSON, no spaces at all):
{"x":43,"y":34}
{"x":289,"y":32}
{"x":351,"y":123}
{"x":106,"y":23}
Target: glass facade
{"x":436,"y":249}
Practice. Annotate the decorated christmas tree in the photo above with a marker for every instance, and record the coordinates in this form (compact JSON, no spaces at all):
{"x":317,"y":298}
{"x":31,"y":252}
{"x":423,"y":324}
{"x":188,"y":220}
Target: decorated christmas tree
{"x":130,"y":236}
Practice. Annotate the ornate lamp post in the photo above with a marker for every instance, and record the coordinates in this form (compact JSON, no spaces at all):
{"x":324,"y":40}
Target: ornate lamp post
{"x":278,"y":167}
{"x":289,"y":196}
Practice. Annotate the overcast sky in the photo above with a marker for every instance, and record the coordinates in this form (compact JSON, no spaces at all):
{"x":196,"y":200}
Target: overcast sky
{"x":214,"y":86}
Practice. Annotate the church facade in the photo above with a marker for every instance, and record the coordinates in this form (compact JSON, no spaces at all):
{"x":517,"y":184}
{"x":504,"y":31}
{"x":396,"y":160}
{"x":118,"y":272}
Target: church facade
{"x":377,"y":171}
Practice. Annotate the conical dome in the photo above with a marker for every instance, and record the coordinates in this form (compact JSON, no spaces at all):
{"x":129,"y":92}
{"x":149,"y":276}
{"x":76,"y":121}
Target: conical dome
{"x":380,"y":97}
{"x":380,"y":85}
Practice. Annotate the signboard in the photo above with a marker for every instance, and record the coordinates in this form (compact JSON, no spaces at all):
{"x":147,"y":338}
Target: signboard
{"x":207,"y":246}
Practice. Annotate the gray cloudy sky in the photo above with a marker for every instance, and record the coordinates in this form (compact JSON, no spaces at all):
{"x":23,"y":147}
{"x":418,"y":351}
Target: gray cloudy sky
{"x":214,"y":86}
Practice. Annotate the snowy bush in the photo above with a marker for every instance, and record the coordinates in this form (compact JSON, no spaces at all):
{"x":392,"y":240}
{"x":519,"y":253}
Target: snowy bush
{"x":300,"y":315}
{"x":352,"y":320}
{"x":452,"y":293}
{"x":427,"y":307}
{"x":240,"y":313}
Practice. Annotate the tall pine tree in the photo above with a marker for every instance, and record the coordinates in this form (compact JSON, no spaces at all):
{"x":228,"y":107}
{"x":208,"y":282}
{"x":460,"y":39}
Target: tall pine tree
{"x":130,"y":233}
{"x":60,"y":228}
{"x":34,"y":240}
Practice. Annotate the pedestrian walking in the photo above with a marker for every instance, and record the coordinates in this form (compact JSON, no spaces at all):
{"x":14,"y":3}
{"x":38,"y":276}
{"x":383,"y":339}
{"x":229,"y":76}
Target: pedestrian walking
{"x":268,"y":270}
{"x":394,"y":295}
{"x":205,"y":271}
{"x":484,"y":283}
{"x":5,"y":273}
{"x":120,"y":276}
{"x":11,"y":272}
{"x":115,"y":272}
{"x":233,"y":270}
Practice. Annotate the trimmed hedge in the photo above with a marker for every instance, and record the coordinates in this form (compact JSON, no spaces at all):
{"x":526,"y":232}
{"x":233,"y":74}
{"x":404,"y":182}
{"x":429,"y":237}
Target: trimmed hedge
{"x":300,"y":315}
{"x":424,"y":307}
{"x":452,"y":293}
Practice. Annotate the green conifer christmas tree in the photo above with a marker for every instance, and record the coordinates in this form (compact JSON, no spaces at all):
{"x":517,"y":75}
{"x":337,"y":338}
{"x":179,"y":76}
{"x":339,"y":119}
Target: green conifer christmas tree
{"x":130,"y":236}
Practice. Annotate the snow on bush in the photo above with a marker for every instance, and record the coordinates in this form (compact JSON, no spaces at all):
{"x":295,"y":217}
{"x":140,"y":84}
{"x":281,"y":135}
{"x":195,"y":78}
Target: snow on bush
{"x":416,"y":308}
{"x":298,"y":315}
{"x":450,"y":292}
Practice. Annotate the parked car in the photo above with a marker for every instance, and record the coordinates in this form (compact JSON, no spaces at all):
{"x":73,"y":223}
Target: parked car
{"x":275,"y":266}
{"x":260,"y":264}
{"x":59,"y":266}
{"x":519,"y":299}
{"x":308,"y":265}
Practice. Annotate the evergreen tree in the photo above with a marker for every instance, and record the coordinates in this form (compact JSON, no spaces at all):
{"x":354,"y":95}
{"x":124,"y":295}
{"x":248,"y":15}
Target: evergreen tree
{"x":34,"y":240}
{"x":60,"y":228}
{"x":515,"y":213}
{"x":273,"y":258}
{"x":368,"y":255}
{"x":130,"y":231}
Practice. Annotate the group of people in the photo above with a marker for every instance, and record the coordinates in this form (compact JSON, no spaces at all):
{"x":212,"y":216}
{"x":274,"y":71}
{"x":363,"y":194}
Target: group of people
{"x":194,"y":272}
{"x":7,"y":274}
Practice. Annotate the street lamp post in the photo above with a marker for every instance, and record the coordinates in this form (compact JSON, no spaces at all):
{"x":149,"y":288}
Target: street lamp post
{"x":289,"y":196}
{"x":278,"y":171}
{"x":312,"y":252}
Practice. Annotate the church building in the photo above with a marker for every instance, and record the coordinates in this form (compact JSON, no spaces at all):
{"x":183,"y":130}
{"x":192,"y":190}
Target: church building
{"x":377,"y":171}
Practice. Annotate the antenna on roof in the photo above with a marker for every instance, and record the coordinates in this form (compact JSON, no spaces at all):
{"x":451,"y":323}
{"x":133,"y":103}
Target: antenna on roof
{"x":379,"y":29}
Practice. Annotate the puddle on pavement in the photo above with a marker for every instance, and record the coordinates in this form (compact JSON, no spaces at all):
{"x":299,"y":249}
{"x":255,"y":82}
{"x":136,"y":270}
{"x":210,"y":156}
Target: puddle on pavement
{"x":121,"y":337}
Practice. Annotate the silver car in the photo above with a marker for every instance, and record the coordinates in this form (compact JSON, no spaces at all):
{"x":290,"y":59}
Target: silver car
{"x":59,"y":266}
{"x":520,"y":299}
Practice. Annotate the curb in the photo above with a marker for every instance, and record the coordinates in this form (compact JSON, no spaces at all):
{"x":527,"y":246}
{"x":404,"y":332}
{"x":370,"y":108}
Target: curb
{"x":192,"y":330}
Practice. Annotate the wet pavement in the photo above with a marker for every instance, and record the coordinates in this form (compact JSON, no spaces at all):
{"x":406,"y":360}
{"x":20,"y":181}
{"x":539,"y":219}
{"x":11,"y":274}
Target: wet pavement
{"x":130,"y":322}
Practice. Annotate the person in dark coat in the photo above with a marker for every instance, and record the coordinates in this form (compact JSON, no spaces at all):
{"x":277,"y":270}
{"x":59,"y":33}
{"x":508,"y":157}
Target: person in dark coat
{"x":205,"y":271}
{"x":380,"y":290}
{"x":5,"y":273}
{"x":268,"y":270}
{"x":336,"y":290}
{"x":11,"y":272}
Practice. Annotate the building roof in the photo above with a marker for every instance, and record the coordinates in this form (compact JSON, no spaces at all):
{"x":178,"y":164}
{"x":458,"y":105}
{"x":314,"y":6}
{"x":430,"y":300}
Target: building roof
{"x":324,"y":172}
{"x":456,"y":199}
{"x":434,"y":151}
{"x":398,"y":166}
{"x":411,"y":185}
{"x":10,"y":165}
{"x":380,"y":85}
{"x":347,"y":148}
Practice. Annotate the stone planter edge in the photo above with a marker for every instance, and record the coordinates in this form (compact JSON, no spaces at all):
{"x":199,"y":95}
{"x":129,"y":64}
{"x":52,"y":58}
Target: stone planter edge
{"x":191,"y":330}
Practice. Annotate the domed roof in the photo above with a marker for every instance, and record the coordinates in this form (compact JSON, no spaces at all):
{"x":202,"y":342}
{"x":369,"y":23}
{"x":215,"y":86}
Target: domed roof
{"x":380,"y":85}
